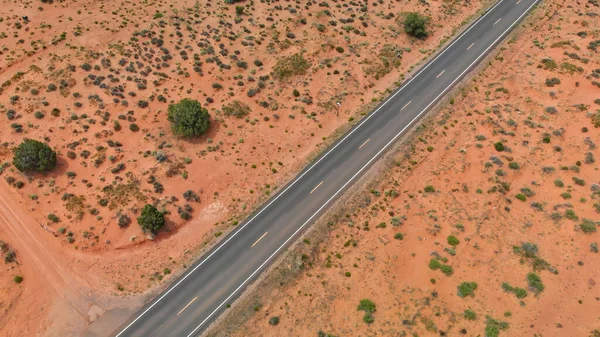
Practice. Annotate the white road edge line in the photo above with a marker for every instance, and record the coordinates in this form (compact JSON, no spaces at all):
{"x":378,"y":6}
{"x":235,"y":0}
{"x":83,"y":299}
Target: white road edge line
{"x":307,"y":170}
{"x":254,"y":244}
{"x":357,"y":173}
{"x":438,"y":76}
{"x":316,"y":187}
{"x":192,"y":301}
{"x":363,"y":144}
{"x":471,"y":46}
{"x":405,"y":105}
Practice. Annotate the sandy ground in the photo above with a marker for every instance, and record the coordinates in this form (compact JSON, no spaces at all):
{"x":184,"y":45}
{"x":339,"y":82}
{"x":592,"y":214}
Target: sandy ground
{"x":459,"y":238}
{"x":94,"y":79}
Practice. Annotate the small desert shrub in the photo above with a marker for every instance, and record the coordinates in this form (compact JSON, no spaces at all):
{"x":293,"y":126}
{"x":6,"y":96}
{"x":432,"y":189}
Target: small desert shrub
{"x":236,"y":109}
{"x":416,"y":25}
{"x":535,"y":283}
{"x":453,"y":240}
{"x":499,"y":146}
{"x":290,"y":66}
{"x":552,"y":81}
{"x":467,"y":289}
{"x":588,"y":227}
{"x":470,"y":315}
{"x":274,"y":320}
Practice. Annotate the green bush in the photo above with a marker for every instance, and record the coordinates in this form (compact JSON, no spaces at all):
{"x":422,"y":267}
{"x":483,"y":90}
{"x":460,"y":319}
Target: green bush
{"x":447,"y":270}
{"x":499,"y":146}
{"x":18,"y":279}
{"x":151,"y":219}
{"x":416,"y":25}
{"x":453,"y":240}
{"x":434,"y":264}
{"x":188,"y":118}
{"x":493,"y":327}
{"x":535,"y":283}
{"x":588,"y":227}
{"x":467,"y":289}
{"x":34,"y":156}
{"x":429,"y":189}
{"x":367,"y":306}
{"x":274,"y":320}
{"x":520,"y":292}
{"x":470,"y":315}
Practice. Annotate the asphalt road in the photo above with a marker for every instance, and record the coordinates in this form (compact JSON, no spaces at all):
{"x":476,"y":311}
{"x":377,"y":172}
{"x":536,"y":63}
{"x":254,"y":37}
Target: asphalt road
{"x":204,"y":291}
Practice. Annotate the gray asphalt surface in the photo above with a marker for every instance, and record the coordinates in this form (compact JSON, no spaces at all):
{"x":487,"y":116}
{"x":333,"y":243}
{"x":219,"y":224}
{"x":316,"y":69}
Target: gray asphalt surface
{"x":204,"y":291}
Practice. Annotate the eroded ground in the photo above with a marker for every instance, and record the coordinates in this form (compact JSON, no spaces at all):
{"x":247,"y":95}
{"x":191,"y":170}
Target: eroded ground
{"x":487,"y":223}
{"x":94,"y":79}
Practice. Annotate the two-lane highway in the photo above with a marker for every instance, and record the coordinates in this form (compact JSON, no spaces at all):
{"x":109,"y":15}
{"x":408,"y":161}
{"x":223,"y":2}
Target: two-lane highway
{"x":205,"y":290}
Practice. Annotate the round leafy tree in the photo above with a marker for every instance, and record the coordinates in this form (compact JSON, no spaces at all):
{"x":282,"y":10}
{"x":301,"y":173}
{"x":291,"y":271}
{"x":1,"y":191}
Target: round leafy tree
{"x":34,"y":156}
{"x":188,"y":118}
{"x":151,"y":219}
{"x":416,"y":25}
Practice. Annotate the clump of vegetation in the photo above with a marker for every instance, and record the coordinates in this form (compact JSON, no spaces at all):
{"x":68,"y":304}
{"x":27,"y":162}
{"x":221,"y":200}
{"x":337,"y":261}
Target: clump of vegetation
{"x":274,"y":320}
{"x":467,"y":289}
{"x":493,"y":327}
{"x":453,"y":240}
{"x":415,"y":25}
{"x":529,"y":252}
{"x":588,"y":226}
{"x":151,"y":220}
{"x":34,"y":156}
{"x":369,"y":308}
{"x":236,"y":109}
{"x":290,"y":66}
{"x":188,"y":118}
{"x":435,"y":264}
{"x":519,"y":292}
{"x":499,"y":146}
{"x":535,"y":283}
{"x":470,"y":315}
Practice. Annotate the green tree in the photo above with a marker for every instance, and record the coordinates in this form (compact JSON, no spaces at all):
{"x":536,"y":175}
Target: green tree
{"x":34,"y":156}
{"x":151,"y":219}
{"x":416,"y":25}
{"x":188,"y":118}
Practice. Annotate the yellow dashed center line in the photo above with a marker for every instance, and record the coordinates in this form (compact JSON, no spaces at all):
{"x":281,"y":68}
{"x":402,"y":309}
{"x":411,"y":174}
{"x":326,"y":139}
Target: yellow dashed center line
{"x":405,"y":105}
{"x":316,"y":187}
{"x":192,"y":301}
{"x":254,"y":244}
{"x":363,"y":144}
{"x":438,"y":76}
{"x":497,"y":21}
{"x":470,"y":46}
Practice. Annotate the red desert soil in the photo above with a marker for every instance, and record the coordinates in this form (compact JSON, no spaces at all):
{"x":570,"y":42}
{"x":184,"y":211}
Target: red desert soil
{"x":487,"y":223}
{"x":94,"y":80}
